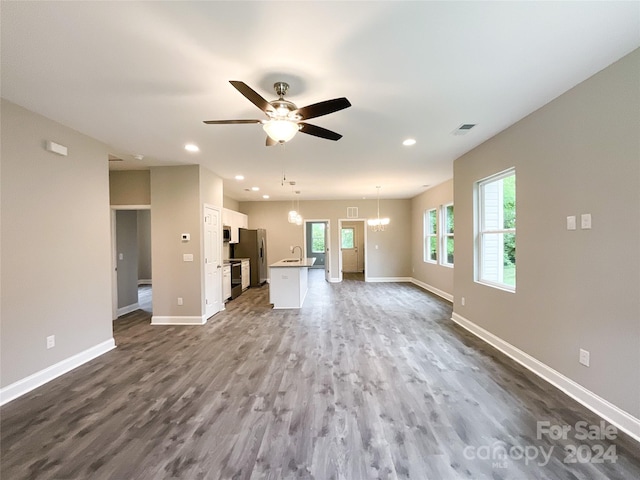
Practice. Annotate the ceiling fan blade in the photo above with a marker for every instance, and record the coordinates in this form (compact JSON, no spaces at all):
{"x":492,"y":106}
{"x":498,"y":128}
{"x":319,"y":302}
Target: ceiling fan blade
{"x":251,"y":95}
{"x":319,"y":131}
{"x":229,"y":122}
{"x":322,"y":108}
{"x":270,"y":142}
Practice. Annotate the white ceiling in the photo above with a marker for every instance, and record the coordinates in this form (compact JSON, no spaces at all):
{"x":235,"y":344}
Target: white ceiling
{"x":142,"y":76}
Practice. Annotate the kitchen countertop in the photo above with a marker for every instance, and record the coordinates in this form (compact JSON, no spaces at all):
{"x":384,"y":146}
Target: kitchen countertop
{"x":305,"y":262}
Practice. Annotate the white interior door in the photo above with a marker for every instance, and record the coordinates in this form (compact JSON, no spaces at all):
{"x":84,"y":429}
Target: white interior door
{"x":212,"y":261}
{"x":349,"y":249}
{"x":327,"y":257}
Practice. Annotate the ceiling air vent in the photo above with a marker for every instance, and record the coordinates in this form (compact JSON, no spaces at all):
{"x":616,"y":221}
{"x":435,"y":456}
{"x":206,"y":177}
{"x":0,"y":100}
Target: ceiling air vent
{"x":464,"y":128}
{"x":352,"y":212}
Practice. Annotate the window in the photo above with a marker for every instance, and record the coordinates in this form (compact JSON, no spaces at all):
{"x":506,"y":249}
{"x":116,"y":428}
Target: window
{"x":446,"y":228}
{"x":430,"y":236}
{"x":317,"y":237}
{"x":347,"y":238}
{"x":496,"y":252}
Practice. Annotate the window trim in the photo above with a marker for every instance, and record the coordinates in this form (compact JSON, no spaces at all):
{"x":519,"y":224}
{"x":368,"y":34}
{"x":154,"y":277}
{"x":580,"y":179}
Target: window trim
{"x":444,"y":235}
{"x":479,"y":230}
{"x":427,"y":235}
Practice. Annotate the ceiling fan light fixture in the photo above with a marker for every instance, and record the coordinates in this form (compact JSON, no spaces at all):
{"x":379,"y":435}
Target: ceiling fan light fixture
{"x":280,"y":131}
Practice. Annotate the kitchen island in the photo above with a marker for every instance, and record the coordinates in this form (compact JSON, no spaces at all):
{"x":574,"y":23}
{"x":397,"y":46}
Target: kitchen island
{"x":289,"y":282}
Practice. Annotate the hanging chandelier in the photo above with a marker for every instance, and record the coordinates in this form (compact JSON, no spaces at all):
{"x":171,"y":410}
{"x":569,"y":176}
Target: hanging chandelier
{"x":378,"y":224}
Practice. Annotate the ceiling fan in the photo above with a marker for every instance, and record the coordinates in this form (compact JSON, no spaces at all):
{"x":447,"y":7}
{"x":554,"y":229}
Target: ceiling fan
{"x":284,"y":118}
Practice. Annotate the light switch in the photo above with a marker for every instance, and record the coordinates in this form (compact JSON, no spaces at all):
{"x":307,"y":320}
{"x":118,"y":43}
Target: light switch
{"x":187,"y":257}
{"x":585,"y":221}
{"x":571,"y":222}
{"x":121,"y":256}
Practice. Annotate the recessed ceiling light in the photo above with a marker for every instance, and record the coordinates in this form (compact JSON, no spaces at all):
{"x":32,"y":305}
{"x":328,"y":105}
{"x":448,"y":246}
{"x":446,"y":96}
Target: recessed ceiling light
{"x":266,"y":197}
{"x":408,"y":142}
{"x":255,"y":189}
{"x":239,"y":177}
{"x":191,"y":147}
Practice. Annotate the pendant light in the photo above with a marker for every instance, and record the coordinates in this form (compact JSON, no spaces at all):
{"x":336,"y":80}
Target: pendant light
{"x":298,"y":220}
{"x":378,"y":224}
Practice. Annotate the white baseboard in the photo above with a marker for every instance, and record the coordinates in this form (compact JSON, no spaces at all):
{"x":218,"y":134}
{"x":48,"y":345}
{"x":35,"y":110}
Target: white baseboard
{"x":194,"y":320}
{"x":19,"y":388}
{"x":432,"y":289}
{"x":128,"y":309}
{"x":614,"y":415}
{"x":335,"y":280}
{"x":387,"y":279}
{"x":144,"y":281}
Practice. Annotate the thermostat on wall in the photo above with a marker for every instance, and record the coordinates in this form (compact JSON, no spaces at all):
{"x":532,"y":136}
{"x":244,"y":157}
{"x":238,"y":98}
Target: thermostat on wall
{"x":186,"y":237}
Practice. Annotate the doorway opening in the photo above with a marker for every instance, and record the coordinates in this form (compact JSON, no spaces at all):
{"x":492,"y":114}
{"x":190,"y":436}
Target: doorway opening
{"x":131,"y":259}
{"x":316,"y":245}
{"x":352,"y":237}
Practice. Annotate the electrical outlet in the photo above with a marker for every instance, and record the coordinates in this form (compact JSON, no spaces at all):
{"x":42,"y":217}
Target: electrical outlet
{"x":51,"y":341}
{"x":180,"y":301}
{"x":584,"y":357}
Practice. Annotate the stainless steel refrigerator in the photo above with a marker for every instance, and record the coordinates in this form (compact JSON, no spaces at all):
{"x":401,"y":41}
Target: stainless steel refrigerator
{"x":252,"y":244}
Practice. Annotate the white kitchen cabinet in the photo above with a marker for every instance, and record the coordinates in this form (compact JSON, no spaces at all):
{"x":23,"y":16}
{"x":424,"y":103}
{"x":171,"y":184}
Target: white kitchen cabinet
{"x":246,"y":274}
{"x":235,"y":220}
{"x":226,"y":283}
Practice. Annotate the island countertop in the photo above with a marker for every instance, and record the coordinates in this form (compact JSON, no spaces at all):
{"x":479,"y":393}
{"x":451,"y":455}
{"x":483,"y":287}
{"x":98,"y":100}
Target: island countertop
{"x":294,"y":262}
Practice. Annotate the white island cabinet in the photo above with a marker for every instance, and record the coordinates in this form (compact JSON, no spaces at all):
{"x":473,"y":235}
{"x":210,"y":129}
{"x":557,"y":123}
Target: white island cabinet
{"x":289,"y":282}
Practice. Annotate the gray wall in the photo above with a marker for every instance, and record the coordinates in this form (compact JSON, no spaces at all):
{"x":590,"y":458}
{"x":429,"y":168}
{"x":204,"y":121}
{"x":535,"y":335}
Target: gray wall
{"x":434,"y":275}
{"x":127,"y":257}
{"x":391,"y":259}
{"x":56,"y":244}
{"x":144,"y":245}
{"x":575,"y":289}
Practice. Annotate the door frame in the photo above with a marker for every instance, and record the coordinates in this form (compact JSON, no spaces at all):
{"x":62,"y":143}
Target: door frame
{"x":114,"y":254}
{"x":327,"y":243}
{"x":365,"y":254}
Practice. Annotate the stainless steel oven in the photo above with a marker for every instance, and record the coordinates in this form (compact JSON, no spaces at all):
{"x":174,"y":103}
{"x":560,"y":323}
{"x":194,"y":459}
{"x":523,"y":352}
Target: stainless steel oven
{"x":236,"y":278}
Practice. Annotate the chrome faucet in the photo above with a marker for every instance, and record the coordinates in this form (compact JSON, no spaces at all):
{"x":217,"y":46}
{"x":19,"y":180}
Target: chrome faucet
{"x":294,"y":248}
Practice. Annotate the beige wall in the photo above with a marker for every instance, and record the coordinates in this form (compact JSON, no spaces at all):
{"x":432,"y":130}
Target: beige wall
{"x":56,"y":244}
{"x":575,"y":289}
{"x":129,"y":187}
{"x":392,"y":258}
{"x":230,"y":203}
{"x":177,"y":197}
{"x":175,"y":209}
{"x":437,"y":277}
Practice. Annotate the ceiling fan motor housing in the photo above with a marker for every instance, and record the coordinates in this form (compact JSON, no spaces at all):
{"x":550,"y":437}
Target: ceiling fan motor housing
{"x":281,"y":88}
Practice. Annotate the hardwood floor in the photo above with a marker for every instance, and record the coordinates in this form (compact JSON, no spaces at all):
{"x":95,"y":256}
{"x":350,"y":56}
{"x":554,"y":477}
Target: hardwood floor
{"x":367,"y":380}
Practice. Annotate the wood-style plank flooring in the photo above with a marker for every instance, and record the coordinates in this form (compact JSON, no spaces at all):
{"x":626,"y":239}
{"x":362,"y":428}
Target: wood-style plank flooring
{"x":366,"y":381}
